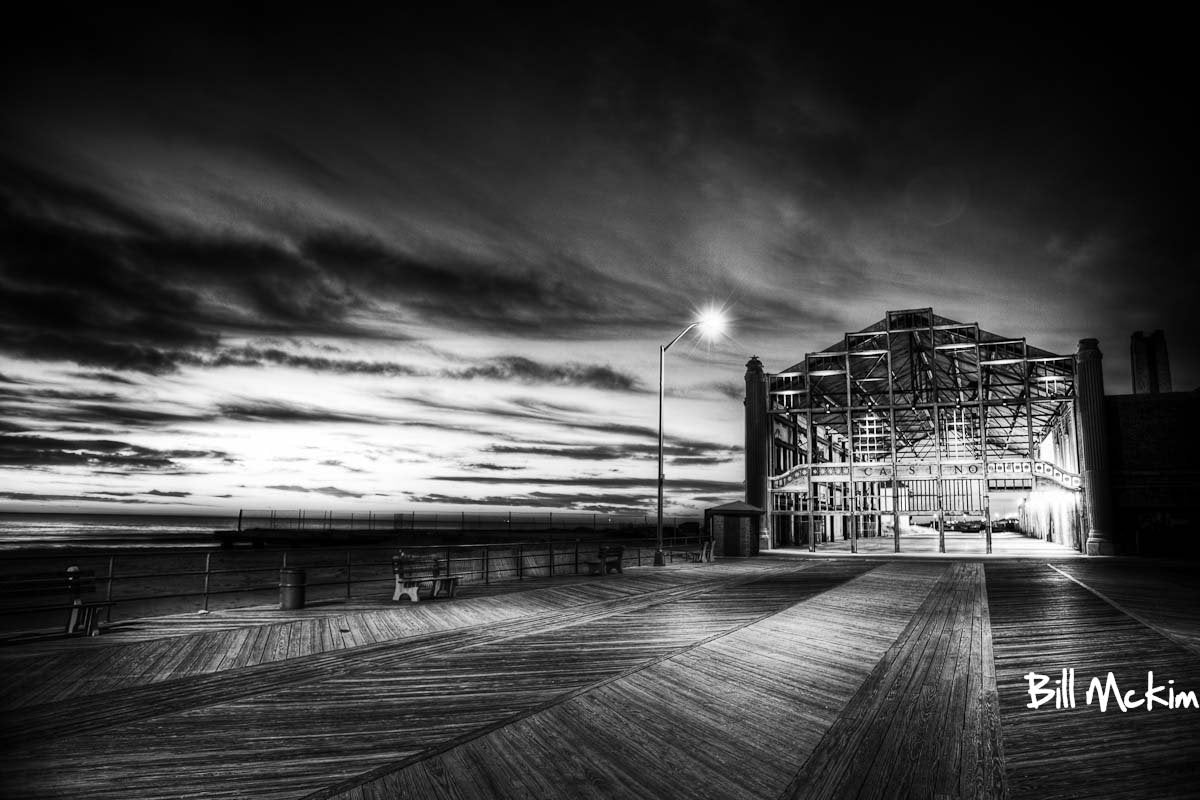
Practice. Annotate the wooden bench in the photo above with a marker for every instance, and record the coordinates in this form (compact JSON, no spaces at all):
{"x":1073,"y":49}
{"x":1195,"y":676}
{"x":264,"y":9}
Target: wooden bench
{"x":607,"y":560}
{"x":413,"y":573}
{"x":83,"y":616}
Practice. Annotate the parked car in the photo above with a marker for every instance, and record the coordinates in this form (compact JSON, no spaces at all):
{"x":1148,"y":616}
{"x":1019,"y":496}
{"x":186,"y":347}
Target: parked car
{"x":1006,"y":524}
{"x":966,"y":525}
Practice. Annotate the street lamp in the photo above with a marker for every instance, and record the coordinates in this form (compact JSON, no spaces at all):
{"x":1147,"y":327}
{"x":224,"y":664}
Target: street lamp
{"x":711,"y":323}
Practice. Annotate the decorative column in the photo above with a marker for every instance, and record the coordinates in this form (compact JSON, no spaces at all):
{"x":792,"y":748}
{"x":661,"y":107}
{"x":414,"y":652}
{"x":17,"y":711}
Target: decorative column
{"x":758,"y":445}
{"x":1093,"y":442}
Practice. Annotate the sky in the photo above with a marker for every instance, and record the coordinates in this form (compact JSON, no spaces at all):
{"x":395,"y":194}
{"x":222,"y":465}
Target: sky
{"x":351,"y":259}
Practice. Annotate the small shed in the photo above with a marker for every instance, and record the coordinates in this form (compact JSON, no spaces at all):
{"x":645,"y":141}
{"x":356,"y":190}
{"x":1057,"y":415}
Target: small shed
{"x":733,"y":528}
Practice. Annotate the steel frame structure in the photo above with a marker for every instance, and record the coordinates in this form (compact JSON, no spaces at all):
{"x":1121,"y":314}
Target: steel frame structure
{"x":916,"y":413}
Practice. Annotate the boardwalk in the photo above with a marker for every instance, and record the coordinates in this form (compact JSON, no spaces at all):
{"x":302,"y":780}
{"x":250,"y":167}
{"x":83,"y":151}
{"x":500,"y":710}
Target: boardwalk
{"x":785,"y":676}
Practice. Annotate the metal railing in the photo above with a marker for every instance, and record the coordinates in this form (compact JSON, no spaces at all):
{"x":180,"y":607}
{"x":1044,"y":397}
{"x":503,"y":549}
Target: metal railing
{"x":156,"y":582}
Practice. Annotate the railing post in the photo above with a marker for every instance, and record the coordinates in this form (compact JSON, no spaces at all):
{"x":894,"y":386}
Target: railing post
{"x":576,"y":556}
{"x":521,"y":562}
{"x":112,"y":563}
{"x":207,"y":573}
{"x":550,"y":547}
{"x":348,"y":581}
{"x":486,"y":571}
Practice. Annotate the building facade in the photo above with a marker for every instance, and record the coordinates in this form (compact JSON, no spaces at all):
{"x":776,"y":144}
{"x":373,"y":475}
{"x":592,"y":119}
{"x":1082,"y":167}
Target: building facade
{"x":922,"y":422}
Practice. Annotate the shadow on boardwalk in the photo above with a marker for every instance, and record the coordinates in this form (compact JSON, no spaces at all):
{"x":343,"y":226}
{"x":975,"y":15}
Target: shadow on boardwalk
{"x":780,"y":676}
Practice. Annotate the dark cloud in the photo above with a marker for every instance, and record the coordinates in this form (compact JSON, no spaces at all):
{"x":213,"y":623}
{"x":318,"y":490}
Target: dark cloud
{"x":51,"y":452}
{"x":105,"y":377}
{"x":332,"y":491}
{"x":158,"y":493}
{"x":508,"y":368}
{"x":33,"y":497}
{"x":55,"y":394}
{"x":247,"y":356}
{"x":525,"y":288}
{"x":691,"y":453}
{"x":279,"y":411}
{"x":614,"y":504}
{"x":336,"y":463}
{"x":528,"y":371}
{"x":680,"y":486}
{"x":90,"y":281}
{"x":124,"y":416}
{"x":731,"y":389}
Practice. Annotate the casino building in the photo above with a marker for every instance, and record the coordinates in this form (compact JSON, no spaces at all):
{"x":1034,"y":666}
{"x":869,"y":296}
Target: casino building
{"x":922,"y":422}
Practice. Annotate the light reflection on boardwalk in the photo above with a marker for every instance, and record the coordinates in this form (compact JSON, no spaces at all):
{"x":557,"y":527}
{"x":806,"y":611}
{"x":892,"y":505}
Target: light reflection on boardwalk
{"x":782,"y":676}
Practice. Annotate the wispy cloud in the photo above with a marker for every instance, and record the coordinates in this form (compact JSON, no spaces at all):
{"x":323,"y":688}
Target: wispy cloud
{"x":280,"y":411}
{"x":331,"y":491}
{"x":47,"y":452}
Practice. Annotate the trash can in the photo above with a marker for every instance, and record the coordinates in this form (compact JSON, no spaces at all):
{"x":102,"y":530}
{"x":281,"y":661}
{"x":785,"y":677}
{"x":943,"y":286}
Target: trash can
{"x":291,"y":588}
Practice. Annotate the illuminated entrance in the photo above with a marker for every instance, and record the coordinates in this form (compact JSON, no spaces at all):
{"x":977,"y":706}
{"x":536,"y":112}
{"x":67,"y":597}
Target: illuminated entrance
{"x":917,"y":426}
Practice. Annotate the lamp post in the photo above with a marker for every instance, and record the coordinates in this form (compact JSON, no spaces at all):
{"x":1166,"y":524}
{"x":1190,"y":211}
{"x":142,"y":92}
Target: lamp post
{"x":711,"y":323}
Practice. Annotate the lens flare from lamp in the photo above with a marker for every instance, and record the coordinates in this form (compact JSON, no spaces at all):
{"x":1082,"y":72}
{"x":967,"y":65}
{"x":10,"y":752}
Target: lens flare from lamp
{"x":712,"y":322}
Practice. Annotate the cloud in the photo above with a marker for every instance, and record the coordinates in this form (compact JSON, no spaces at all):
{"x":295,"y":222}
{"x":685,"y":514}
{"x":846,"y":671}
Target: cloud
{"x":615,"y":504}
{"x":507,"y":368}
{"x":106,"y":377}
{"x":336,"y":463}
{"x":521,"y":287}
{"x":731,"y":389}
{"x":526,"y":370}
{"x":248,"y":356}
{"x":681,"y":486}
{"x":34,"y":406}
{"x":332,"y":491}
{"x":279,"y":411}
{"x":51,"y":452}
{"x":158,"y":493}
{"x":689,"y":452}
{"x":33,"y":497}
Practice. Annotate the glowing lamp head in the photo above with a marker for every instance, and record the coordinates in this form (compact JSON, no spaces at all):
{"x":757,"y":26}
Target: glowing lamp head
{"x":711,"y":322}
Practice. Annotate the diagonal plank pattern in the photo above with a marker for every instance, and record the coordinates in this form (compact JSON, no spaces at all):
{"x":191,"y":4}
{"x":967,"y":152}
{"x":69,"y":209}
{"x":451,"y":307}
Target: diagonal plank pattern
{"x":1043,"y":622}
{"x":767,"y":678}
{"x":161,"y":649}
{"x":732,"y":716}
{"x":292,"y":733}
{"x":923,"y":724}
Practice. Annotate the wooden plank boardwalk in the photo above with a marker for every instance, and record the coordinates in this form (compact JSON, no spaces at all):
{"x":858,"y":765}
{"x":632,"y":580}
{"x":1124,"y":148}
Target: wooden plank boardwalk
{"x":759,"y":678}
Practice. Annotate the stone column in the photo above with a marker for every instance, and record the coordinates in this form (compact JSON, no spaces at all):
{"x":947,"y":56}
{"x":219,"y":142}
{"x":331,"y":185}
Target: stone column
{"x":758,"y":444}
{"x":1093,"y":442}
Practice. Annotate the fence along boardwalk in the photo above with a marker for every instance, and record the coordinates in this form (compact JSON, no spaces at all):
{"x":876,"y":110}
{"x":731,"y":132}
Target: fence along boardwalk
{"x":751,"y":679}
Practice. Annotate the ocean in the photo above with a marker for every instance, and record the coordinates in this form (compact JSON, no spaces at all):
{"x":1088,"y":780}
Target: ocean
{"x":39,"y":531}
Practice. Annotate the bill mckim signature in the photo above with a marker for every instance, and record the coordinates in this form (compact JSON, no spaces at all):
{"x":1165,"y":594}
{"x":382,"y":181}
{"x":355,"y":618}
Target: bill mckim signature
{"x":1103,"y":692}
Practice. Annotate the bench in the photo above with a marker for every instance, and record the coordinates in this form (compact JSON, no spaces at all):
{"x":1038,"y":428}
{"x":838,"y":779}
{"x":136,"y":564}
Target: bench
{"x":83,"y":616}
{"x":607,"y":560}
{"x":703,"y":555}
{"x":413,"y":573}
